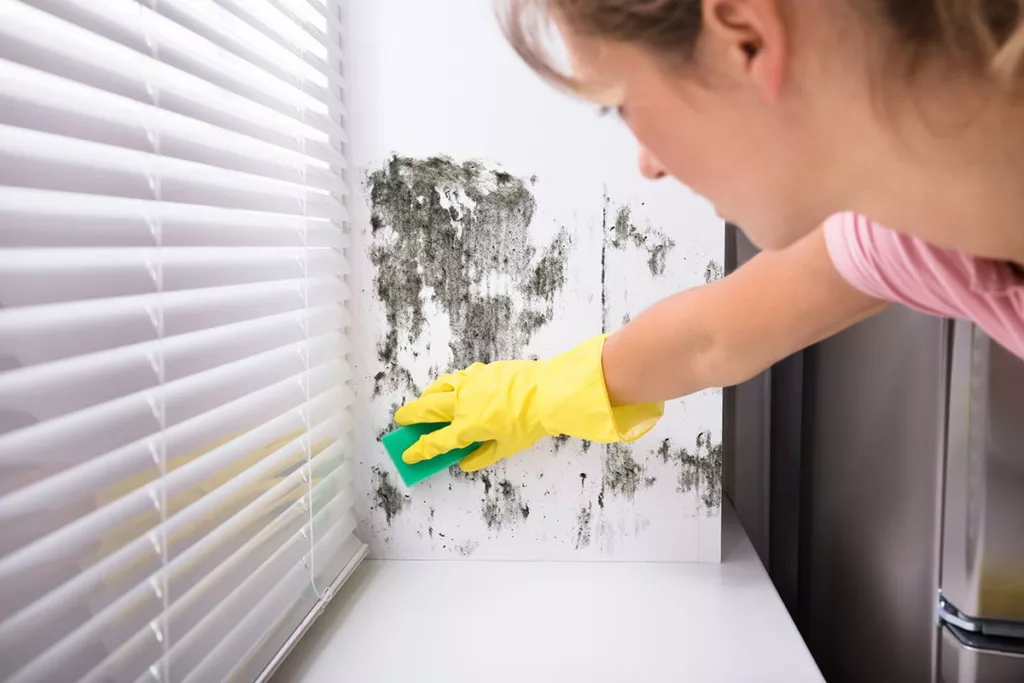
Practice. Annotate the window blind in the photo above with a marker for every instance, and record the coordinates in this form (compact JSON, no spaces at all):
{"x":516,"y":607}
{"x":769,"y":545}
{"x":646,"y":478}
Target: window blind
{"x":175,"y":470}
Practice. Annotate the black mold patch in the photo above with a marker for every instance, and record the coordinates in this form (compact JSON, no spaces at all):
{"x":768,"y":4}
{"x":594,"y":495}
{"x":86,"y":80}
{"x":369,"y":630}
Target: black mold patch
{"x":622,"y":474}
{"x":700,"y":471}
{"x":713,"y":271}
{"x":583,"y":523}
{"x":559,"y":441}
{"x":586,"y":445}
{"x":657,"y":245}
{"x":504,"y":508}
{"x":386,"y":495}
{"x":444,"y":230}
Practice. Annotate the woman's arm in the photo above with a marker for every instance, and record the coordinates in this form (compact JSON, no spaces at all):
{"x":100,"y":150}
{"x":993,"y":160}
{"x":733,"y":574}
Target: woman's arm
{"x":730,"y":330}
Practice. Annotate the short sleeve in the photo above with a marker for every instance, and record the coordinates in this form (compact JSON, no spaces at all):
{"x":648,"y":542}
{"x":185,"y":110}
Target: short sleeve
{"x":853,"y":247}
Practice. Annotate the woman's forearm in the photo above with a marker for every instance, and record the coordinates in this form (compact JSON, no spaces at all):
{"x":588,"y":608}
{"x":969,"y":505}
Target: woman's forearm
{"x":730,"y":330}
{"x":663,"y":353}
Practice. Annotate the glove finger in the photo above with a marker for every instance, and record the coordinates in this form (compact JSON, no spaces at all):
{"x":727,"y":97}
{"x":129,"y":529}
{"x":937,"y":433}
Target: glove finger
{"x":485,"y":456}
{"x":428,"y":408}
{"x":444,"y":383}
{"x":434,"y":444}
{"x":450,"y":381}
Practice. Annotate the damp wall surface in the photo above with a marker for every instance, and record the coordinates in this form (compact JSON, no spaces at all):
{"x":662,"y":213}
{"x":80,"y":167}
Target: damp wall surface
{"x":495,"y":218}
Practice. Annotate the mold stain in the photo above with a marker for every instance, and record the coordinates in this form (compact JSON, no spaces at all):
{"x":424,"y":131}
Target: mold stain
{"x":584,"y":521}
{"x":559,"y":441}
{"x":386,"y":496}
{"x":699,"y":471}
{"x":624,"y":233}
{"x":713,"y":271}
{"x":457,"y":235}
{"x":503,"y":508}
{"x":622,"y":475}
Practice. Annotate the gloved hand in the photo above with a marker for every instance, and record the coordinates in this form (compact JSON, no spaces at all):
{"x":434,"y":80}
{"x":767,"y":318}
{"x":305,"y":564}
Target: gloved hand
{"x":509,"y":405}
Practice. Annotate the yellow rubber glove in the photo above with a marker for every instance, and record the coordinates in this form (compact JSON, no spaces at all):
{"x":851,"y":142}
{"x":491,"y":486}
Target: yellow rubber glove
{"x":509,"y":405}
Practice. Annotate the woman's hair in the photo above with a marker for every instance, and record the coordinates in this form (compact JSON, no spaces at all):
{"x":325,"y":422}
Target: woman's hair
{"x":985,"y":36}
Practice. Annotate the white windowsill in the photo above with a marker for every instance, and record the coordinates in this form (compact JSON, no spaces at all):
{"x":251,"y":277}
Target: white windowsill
{"x":535,"y":621}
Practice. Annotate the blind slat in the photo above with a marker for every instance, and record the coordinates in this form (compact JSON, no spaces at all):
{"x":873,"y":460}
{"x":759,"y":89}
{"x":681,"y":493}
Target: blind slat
{"x":40,"y":334}
{"x":31,"y":277}
{"x":44,"y":218}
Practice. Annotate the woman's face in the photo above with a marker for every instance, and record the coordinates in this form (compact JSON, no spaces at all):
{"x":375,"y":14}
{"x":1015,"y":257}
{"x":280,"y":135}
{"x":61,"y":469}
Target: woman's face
{"x":731,"y":128}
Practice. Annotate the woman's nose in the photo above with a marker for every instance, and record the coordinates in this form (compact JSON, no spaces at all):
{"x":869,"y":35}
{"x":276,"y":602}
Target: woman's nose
{"x":650,"y":167}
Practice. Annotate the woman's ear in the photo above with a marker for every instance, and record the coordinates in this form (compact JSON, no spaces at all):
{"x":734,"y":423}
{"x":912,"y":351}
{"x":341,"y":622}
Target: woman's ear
{"x":751,"y":35}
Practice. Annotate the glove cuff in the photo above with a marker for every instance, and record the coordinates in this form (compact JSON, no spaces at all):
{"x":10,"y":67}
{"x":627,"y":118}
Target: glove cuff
{"x":572,"y":399}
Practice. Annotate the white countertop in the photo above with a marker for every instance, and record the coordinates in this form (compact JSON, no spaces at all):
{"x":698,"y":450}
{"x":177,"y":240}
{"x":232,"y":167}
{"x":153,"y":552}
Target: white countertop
{"x":533,"y":621}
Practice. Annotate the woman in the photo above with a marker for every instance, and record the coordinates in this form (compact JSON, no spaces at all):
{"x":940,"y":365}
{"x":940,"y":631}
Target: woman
{"x":796,"y":119}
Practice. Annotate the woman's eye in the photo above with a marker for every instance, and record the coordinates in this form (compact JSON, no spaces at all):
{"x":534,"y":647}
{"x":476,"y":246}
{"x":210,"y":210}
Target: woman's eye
{"x":605,"y":111}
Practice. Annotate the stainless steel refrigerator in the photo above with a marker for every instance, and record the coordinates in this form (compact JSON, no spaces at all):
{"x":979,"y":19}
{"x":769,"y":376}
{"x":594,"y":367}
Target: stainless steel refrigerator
{"x":880,"y":475}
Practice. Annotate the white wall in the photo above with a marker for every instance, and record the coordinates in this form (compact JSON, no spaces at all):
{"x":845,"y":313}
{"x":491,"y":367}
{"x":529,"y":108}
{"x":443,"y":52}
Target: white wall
{"x":430,"y":78}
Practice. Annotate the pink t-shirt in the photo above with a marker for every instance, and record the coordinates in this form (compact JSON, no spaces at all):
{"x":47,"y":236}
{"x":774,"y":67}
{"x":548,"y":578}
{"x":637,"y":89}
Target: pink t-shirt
{"x":896,"y":267}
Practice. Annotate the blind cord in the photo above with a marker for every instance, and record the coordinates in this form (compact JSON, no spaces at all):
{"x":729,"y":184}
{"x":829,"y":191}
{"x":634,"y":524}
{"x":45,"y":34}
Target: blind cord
{"x":307,"y":444}
{"x":160,"y":671}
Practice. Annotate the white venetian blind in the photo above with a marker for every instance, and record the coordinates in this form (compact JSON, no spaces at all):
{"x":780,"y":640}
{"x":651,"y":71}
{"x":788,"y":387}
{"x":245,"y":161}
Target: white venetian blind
{"x":175,"y":470}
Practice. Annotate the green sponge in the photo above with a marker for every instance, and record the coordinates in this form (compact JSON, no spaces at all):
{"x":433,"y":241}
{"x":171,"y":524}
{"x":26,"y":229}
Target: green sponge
{"x":397,"y":441}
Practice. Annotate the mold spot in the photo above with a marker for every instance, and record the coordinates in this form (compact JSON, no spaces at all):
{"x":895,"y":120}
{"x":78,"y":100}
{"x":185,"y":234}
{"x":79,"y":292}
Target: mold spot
{"x":586,"y":445}
{"x":583,"y":524}
{"x":713,"y":271}
{"x":699,"y":471}
{"x":651,"y":240}
{"x":583,"y":479}
{"x":503,"y":508}
{"x":386,"y":495}
{"x":622,"y":474}
{"x":559,"y":441}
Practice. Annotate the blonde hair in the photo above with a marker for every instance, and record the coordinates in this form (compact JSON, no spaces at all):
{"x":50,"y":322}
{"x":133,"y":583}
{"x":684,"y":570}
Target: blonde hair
{"x":985,"y":36}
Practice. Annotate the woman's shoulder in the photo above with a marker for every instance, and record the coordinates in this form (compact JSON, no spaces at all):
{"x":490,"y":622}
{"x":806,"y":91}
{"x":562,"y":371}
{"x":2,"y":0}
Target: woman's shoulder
{"x":905,"y":269}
